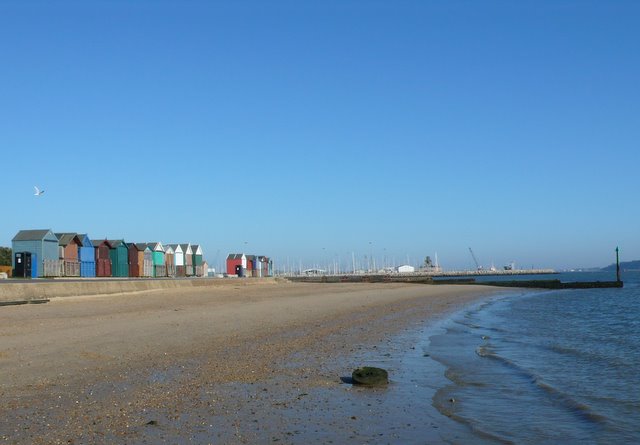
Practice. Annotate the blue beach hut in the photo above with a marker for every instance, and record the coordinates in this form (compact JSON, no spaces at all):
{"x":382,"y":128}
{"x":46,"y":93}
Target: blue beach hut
{"x":86,"y":256}
{"x":42,"y":244}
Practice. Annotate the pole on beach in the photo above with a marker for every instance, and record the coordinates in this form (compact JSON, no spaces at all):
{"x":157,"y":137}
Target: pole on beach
{"x":617,"y":266}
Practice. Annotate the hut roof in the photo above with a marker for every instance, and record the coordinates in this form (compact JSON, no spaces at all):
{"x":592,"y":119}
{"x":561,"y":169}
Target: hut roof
{"x":117,"y":242}
{"x":31,"y":235}
{"x":65,"y":238}
{"x":156,"y":247}
{"x":97,"y":243}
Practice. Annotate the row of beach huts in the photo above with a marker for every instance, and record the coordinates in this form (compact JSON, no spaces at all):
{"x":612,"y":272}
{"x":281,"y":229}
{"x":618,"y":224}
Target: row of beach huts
{"x":243,"y":265}
{"x":43,"y":253}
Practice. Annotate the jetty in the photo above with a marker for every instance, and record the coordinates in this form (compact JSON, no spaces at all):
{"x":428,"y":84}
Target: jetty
{"x":539,"y":284}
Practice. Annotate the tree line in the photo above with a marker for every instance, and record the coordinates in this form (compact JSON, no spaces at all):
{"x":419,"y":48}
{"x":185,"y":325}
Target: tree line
{"x":5,"y":256}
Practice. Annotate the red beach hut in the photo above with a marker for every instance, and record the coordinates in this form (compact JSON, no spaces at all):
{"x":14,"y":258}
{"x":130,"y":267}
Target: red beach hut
{"x":103,"y":260}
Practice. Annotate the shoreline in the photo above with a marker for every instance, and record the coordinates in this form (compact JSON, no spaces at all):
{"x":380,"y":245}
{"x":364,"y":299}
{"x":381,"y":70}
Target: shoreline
{"x":205,"y":363}
{"x":542,"y":349}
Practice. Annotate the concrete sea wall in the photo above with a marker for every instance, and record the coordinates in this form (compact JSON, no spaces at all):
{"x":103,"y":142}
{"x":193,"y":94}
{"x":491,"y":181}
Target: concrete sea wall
{"x":33,"y":291}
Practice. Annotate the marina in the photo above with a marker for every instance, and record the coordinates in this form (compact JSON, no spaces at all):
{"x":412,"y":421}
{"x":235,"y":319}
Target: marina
{"x":425,"y":276}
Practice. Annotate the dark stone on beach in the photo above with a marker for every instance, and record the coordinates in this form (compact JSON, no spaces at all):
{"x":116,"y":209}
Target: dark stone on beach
{"x":152,"y":422}
{"x":370,"y":376}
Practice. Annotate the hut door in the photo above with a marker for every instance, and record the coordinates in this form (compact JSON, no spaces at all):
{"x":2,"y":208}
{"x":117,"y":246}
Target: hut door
{"x":22,"y":262}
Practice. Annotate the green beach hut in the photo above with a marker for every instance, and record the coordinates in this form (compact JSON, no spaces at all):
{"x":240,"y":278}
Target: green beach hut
{"x":119,"y":254}
{"x":159,"y":266}
{"x":198,"y":261}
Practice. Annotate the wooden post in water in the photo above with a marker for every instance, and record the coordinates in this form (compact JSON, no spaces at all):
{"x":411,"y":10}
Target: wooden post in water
{"x":617,"y":266}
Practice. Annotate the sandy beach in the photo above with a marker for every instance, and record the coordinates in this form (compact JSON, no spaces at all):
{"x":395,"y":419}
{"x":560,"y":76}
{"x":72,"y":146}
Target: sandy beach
{"x":240,"y":363}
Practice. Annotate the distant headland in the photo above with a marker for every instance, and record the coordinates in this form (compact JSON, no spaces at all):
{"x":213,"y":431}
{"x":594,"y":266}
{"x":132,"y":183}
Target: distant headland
{"x":625,"y":266}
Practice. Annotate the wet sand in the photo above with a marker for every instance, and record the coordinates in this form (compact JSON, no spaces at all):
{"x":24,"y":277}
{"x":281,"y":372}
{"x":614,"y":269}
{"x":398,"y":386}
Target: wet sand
{"x":239,"y":363}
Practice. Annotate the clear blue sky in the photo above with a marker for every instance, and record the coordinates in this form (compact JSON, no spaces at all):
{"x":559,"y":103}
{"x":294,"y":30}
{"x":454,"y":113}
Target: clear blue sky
{"x":311,"y":130}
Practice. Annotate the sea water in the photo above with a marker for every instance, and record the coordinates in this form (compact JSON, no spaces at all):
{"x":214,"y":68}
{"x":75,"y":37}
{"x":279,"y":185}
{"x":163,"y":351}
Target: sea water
{"x":546,"y":366}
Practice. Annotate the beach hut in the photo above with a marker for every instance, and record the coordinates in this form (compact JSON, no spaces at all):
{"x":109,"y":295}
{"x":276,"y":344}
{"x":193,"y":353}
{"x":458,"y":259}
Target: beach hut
{"x":103,"y":258}
{"x":259,"y":267}
{"x":263,"y":266}
{"x":251,"y":266}
{"x":205,"y":267}
{"x":169,"y":260}
{"x":23,"y":265}
{"x":188,"y":259}
{"x":42,"y":245}
{"x":159,"y":266}
{"x":269,"y":267}
{"x":68,"y":245}
{"x":236,"y":264}
{"x":136,"y":260}
{"x":119,"y":255}
{"x":178,"y":259}
{"x":147,"y":259}
{"x":196,"y":252}
{"x":86,"y":256}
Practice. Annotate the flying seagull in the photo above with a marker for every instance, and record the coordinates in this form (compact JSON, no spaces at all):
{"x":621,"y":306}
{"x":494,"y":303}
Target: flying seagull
{"x":38,"y":191}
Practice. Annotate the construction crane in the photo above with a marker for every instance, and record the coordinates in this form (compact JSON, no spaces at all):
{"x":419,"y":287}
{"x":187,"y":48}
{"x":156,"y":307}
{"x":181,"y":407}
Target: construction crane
{"x":475,"y":260}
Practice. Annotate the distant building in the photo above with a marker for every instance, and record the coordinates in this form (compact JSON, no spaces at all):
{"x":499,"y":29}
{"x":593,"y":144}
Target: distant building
{"x":431,"y":269}
{"x":314,"y":271}
{"x":406,"y":269}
